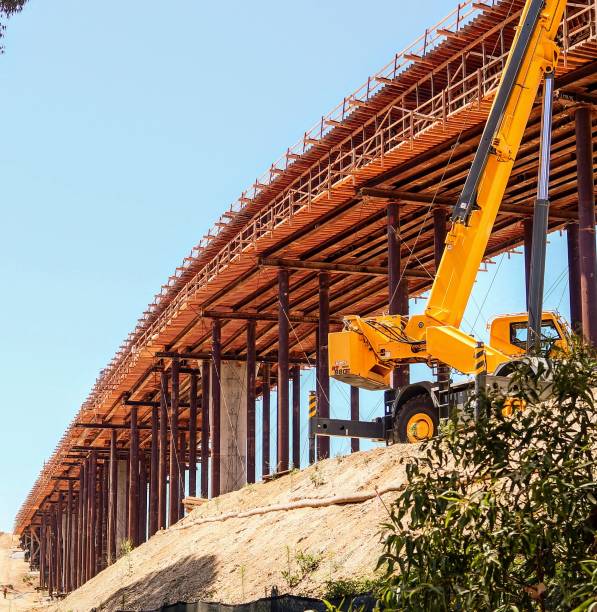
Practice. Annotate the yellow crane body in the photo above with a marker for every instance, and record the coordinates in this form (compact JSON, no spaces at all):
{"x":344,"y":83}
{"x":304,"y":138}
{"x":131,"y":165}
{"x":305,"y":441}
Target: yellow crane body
{"x":368,"y":349}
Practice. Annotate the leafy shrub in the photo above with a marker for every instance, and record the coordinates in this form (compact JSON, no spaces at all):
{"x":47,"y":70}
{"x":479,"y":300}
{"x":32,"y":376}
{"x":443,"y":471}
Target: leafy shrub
{"x":500,"y":513}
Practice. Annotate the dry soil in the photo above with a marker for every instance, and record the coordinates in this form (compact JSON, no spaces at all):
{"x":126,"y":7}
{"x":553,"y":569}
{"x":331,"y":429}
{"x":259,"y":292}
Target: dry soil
{"x":241,"y":559}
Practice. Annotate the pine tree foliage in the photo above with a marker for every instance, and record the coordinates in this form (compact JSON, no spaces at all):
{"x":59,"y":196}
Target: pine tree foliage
{"x":8,"y":8}
{"x":500,"y":513}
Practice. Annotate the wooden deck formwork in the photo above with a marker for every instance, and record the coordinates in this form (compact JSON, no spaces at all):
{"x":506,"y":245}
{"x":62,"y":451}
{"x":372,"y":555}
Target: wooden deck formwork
{"x":412,"y":127}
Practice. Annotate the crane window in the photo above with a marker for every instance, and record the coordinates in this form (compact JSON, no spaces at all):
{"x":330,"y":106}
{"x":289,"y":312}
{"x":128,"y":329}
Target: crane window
{"x":519,"y":334}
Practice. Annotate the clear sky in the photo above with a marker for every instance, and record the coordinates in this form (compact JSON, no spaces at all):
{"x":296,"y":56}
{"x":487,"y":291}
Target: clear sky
{"x":127,"y":128}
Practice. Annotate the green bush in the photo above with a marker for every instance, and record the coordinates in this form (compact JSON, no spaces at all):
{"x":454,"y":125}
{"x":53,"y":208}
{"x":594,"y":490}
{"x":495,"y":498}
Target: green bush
{"x":500,"y":513}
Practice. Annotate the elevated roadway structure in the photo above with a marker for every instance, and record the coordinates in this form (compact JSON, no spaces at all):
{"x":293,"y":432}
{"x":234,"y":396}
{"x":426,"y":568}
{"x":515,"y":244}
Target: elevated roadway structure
{"x":350,"y":217}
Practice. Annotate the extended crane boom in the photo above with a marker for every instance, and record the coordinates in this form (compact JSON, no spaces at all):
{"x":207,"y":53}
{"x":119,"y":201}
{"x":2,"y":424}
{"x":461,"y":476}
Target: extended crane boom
{"x":368,"y":349}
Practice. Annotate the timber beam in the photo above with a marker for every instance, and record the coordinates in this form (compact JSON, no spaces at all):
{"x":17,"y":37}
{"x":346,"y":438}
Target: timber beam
{"x":261,"y":316}
{"x":272,"y":358}
{"x":118,"y":425}
{"x":323,"y":266}
{"x":398,"y":195}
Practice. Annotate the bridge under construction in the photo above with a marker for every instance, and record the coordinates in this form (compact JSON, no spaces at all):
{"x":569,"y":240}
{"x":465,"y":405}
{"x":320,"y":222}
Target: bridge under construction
{"x":348,"y":219}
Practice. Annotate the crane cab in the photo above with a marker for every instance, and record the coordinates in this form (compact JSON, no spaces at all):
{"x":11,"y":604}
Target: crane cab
{"x":508,"y":333}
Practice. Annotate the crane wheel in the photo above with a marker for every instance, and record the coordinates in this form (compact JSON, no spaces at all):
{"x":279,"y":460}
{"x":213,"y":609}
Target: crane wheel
{"x":417,"y":420}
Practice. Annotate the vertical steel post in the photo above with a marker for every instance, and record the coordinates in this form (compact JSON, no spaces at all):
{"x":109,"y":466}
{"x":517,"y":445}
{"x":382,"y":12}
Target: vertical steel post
{"x":480,"y":375}
{"x":52,"y":552}
{"x":322,"y":371}
{"x":81,"y":525}
{"x":106,"y":504}
{"x":42,"y":551}
{"x":265,"y":425}
{"x":574,"y":278}
{"x":142,"y":531}
{"x":586,"y":222}
{"x":92,"y":544}
{"x":251,"y":372}
{"x":112,"y":499}
{"x":59,"y":542}
{"x":216,"y":391}
{"x":75,"y":543}
{"x":163,"y":451}
{"x":69,"y":539}
{"x":193,"y":436}
{"x":283,"y":386}
{"x":86,"y":519}
{"x":182,"y":463}
{"x":133,"y":513}
{"x":397,"y":286}
{"x":296,"y":417}
{"x":312,"y":415}
{"x":174,"y":454}
{"x":99,"y":534}
{"x":354,"y":416}
{"x":205,"y":429}
{"x":153,"y":473}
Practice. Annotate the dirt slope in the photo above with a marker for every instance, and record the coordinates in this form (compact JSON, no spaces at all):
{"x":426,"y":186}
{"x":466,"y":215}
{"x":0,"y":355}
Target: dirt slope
{"x":15,"y":576}
{"x":240,"y":559}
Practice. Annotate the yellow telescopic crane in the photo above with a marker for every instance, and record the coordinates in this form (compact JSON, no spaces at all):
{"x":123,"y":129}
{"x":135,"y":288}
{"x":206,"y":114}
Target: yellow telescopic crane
{"x":368,"y":349}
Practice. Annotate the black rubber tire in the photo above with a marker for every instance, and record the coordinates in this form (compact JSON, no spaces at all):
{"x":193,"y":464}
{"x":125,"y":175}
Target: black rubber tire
{"x":416,"y":404}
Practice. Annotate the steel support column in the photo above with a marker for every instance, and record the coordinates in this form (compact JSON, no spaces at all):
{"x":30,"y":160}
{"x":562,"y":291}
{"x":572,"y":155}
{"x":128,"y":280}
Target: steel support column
{"x":586,"y":222}
{"x":216,"y":393}
{"x":99,"y":524}
{"x":296,"y":417}
{"x":322,"y":371}
{"x":182,"y":463}
{"x":397,"y":284}
{"x":112,"y":499}
{"x":574,"y":278}
{"x":283,"y":371}
{"x":52,"y":551}
{"x":265,"y":420}
{"x":163,"y":452}
{"x":174,"y":463}
{"x":153,"y":473}
{"x":92,"y":544}
{"x":142,"y":531}
{"x":75,"y":545}
{"x":251,"y":372}
{"x":133,"y":493}
{"x":81,"y":521}
{"x":42,"y":551}
{"x":59,"y":549}
{"x":354,"y":416}
{"x":87,"y":520}
{"x":205,"y":429}
{"x":68,"y":557}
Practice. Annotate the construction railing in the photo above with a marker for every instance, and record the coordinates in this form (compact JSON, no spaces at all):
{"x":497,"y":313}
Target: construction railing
{"x":459,"y":84}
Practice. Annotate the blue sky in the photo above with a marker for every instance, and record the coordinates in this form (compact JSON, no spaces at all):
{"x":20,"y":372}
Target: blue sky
{"x":127,"y":130}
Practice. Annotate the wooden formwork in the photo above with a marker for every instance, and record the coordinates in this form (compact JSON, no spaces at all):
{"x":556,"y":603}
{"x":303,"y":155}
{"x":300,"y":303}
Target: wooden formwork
{"x":412,"y":126}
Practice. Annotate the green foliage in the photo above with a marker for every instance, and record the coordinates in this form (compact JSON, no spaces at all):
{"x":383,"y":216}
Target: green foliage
{"x":350,"y":587}
{"x":501,"y":513}
{"x":299,"y":567}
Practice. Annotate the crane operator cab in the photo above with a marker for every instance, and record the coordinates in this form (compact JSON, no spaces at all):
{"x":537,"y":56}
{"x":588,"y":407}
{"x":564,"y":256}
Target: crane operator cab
{"x":509,"y":333}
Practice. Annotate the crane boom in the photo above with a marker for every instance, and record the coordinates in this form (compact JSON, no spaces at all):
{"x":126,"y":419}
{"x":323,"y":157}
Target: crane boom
{"x":533,"y":53}
{"x":367,"y":350}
